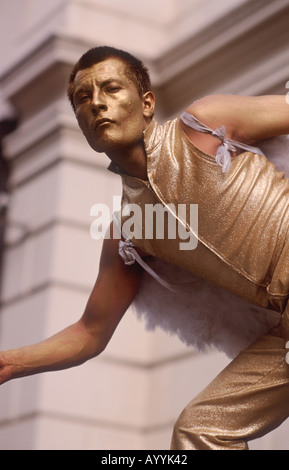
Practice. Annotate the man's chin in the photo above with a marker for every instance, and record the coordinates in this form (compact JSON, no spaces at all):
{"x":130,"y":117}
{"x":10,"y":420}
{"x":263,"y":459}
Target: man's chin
{"x":105,"y":146}
{"x":109,"y":143}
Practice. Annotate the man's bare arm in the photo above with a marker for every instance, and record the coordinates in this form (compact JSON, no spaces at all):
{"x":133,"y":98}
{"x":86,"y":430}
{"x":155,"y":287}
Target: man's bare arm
{"x":248,"y":119}
{"x":114,"y":290}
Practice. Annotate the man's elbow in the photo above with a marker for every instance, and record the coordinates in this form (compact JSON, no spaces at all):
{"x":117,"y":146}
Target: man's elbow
{"x":93,"y":342}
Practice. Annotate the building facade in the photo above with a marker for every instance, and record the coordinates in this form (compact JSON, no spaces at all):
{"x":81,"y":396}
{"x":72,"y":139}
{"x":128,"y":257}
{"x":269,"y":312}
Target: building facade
{"x":130,"y":396}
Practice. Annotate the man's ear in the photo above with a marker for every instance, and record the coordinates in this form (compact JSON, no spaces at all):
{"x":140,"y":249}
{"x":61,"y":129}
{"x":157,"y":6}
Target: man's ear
{"x":149,"y":102}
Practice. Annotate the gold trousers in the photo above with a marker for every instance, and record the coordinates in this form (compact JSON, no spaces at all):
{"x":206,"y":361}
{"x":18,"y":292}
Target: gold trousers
{"x":248,"y":399}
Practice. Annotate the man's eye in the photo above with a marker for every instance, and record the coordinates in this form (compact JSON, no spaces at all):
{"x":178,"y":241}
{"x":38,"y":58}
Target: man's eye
{"x":113,"y":89}
{"x":83,"y":98}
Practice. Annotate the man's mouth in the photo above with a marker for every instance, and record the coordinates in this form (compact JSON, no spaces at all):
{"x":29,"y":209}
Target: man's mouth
{"x":101,"y":122}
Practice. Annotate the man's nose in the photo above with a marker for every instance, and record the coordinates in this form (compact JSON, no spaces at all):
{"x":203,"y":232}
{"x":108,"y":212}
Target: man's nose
{"x":98,"y":103}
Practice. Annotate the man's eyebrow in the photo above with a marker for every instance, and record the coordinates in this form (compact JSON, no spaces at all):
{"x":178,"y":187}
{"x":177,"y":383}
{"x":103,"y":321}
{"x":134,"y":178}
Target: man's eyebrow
{"x":110,"y":80}
{"x":81,"y":89}
{"x":87,"y":89}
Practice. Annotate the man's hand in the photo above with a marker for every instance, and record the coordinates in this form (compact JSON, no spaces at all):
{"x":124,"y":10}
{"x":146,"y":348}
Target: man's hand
{"x":114,"y":290}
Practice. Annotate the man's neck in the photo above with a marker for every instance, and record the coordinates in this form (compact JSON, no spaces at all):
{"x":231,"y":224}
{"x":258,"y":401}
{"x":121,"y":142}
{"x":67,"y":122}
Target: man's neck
{"x":131,"y":161}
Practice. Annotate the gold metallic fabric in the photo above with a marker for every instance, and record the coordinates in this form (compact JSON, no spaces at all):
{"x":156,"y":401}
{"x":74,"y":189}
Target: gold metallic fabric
{"x":242,"y":215}
{"x":242,"y":247}
{"x":248,"y":399}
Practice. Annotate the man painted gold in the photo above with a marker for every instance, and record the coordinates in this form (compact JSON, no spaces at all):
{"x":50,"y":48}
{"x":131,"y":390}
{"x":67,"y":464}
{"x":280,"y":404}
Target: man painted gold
{"x":207,"y":157}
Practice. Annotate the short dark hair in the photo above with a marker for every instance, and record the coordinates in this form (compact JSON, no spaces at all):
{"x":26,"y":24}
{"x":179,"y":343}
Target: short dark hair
{"x":135,"y":69}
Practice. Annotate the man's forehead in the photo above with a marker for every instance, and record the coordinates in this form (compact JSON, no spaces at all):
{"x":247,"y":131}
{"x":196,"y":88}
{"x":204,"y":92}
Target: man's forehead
{"x":97,"y":73}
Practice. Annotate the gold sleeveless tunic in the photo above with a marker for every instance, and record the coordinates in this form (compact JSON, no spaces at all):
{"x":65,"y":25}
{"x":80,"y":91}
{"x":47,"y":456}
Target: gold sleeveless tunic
{"x":242,"y":215}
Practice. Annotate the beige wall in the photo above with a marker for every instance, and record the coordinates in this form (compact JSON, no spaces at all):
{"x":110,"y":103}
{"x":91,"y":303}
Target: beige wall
{"x":129,"y":397}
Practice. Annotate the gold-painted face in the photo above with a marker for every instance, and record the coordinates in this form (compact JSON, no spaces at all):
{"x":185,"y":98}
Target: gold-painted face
{"x":109,"y":110}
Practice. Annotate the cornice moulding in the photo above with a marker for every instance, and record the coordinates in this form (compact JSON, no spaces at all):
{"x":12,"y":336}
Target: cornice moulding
{"x":179,"y":56}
